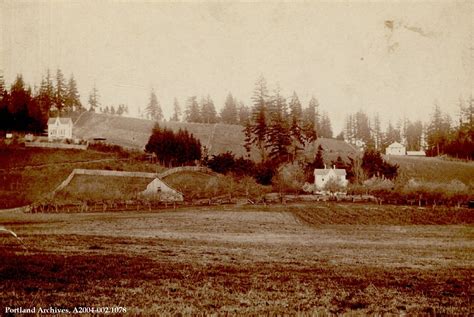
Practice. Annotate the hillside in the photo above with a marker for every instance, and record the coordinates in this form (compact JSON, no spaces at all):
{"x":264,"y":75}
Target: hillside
{"x":31,"y":174}
{"x":433,"y":169}
{"x":218,"y":138}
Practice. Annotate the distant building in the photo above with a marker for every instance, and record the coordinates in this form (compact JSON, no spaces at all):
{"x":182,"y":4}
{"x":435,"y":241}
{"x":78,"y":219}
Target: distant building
{"x":396,"y":149}
{"x":59,"y":128}
{"x":416,"y":153}
{"x":322,"y":176}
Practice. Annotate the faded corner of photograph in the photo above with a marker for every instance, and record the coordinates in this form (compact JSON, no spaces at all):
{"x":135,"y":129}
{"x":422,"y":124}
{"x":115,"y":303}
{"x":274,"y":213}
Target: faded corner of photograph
{"x":233,"y":158}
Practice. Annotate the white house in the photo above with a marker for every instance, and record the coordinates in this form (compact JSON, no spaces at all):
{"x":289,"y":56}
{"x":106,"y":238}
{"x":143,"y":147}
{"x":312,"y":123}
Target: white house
{"x":59,"y":128}
{"x":322,"y":176}
{"x":160,"y":190}
{"x":396,"y":149}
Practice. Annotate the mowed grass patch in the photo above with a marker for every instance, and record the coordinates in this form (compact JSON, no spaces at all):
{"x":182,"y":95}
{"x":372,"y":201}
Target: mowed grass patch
{"x":88,"y":187}
{"x":433,"y":169}
{"x":147,"y":286}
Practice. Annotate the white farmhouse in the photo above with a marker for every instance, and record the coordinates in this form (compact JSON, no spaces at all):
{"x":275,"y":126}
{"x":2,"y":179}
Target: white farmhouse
{"x":396,"y":149}
{"x":59,"y":128}
{"x":322,"y":176}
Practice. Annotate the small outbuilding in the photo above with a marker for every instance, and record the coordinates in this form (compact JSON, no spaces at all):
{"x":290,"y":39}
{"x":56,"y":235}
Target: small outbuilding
{"x":59,"y":128}
{"x":396,"y":149}
{"x":159,"y":190}
{"x":322,"y":176}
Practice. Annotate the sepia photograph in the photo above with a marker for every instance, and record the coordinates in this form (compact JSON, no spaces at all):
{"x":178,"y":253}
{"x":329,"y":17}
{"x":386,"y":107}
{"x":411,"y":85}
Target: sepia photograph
{"x":236,"y":158}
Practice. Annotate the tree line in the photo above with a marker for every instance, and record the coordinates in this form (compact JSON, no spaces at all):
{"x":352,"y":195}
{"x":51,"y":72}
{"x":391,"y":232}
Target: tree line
{"x":439,"y":135}
{"x":23,"y":108}
{"x":27,"y":108}
{"x":173,"y":149}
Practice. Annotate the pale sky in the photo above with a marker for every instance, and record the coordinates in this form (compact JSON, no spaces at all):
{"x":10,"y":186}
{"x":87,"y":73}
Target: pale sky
{"x":345,"y":54}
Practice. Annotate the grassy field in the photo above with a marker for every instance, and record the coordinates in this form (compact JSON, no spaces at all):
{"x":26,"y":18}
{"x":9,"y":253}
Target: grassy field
{"x":243,"y":260}
{"x":87,"y":187}
{"x":218,"y":138}
{"x":433,"y":169}
{"x":29,"y":174}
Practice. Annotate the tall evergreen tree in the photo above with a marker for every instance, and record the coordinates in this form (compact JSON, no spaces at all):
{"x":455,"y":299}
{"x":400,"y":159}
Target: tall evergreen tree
{"x":46,"y":94}
{"x":437,"y":132}
{"x":153,"y":109}
{"x":208,"y":111}
{"x":349,"y":129}
{"x":326,"y":127}
{"x":20,"y":97}
{"x":72,"y":102}
{"x":259,"y":120}
{"x":414,"y":132}
{"x":311,"y":121}
{"x":279,"y":139}
{"x":192,"y":113}
{"x":176,"y":111}
{"x":244,"y":114}
{"x":94,"y":99}
{"x":362,"y":127}
{"x":377,"y":134}
{"x":296,"y":123}
{"x":60,"y":92}
{"x":229,"y":112}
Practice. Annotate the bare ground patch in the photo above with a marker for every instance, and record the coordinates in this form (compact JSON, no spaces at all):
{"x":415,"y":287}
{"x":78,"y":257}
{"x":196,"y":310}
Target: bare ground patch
{"x":246,"y":262}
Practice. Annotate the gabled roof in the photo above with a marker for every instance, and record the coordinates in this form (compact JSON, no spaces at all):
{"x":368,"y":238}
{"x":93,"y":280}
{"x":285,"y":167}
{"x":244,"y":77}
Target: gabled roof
{"x":395,"y":144}
{"x":325,"y":171}
{"x":61,"y":120}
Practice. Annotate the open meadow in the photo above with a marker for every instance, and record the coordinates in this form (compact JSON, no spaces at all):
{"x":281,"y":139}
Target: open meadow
{"x":311,"y":258}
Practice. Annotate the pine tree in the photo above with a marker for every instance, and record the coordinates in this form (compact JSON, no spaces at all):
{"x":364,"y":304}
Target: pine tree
{"x":208,"y":111}
{"x":60,"y":92}
{"x":349,"y":129}
{"x":377,"y":132}
{"x":46,"y":94}
{"x":20,"y":97}
{"x":192,"y":113}
{"x":244,"y":114}
{"x":326,"y":127}
{"x":259,"y":119}
{"x":296,"y":122}
{"x":229,"y":113}
{"x":176,"y":111}
{"x":362,"y":128}
{"x":414,"y":133}
{"x":311,"y":121}
{"x":437,"y":132}
{"x":94,"y":99}
{"x":279,"y":139}
{"x":153,"y":109}
{"x":72,"y":102}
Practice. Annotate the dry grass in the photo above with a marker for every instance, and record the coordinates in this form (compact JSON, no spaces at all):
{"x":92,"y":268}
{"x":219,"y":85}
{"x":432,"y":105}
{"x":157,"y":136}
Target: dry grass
{"x":433,"y":169}
{"x":236,"y":261}
{"x":218,"y":138}
{"x":32,"y":174}
{"x":87,"y":187}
